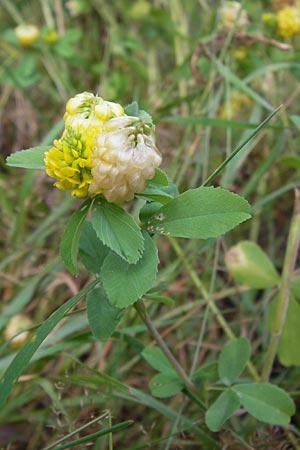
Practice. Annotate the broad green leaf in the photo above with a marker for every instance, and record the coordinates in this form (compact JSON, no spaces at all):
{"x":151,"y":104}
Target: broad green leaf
{"x":125,"y":283}
{"x":92,"y":251}
{"x":249,"y":265}
{"x":200,"y":214}
{"x":103,"y":317}
{"x":165,"y":384}
{"x":288,"y":347}
{"x":157,"y":359}
{"x":32,"y":158}
{"x":266,"y":402}
{"x":233,"y":359}
{"x":117,"y":230}
{"x":223,"y":408}
{"x":24,"y":355}
{"x":70,"y":238}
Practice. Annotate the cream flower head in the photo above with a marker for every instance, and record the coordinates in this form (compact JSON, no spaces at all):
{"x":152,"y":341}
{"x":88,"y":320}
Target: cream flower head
{"x":123,"y":158}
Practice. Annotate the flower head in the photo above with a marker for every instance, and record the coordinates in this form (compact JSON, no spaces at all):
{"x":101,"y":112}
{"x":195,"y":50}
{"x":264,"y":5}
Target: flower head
{"x":27,"y":34}
{"x":124,"y":157}
{"x":102,"y":151}
{"x":288,"y":20}
{"x":230,"y":13}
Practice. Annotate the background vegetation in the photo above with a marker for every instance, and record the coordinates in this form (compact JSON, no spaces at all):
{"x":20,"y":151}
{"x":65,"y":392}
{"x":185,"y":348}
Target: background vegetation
{"x":207,"y":85}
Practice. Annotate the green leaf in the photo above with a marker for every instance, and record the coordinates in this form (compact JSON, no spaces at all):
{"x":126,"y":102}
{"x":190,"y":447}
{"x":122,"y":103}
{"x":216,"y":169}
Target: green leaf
{"x":207,"y":373}
{"x":159,"y":298}
{"x":288,"y":347}
{"x":156,"y":358}
{"x":200,"y":214}
{"x":266,"y":402}
{"x":70,"y":239}
{"x":117,"y":230}
{"x":125,"y":283}
{"x":249,"y":265}
{"x":165,"y":384}
{"x":295,"y":286}
{"x":233,"y":359}
{"x":133,"y":110}
{"x":24,"y":355}
{"x":32,"y":158}
{"x":92,"y":251}
{"x":223,"y":408}
{"x":160,"y":178}
{"x":103,"y":317}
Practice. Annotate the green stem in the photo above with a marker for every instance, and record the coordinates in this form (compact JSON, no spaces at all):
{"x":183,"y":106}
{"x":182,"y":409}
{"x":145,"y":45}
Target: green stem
{"x":141,"y":310}
{"x":209,"y":300}
{"x":284,"y":291}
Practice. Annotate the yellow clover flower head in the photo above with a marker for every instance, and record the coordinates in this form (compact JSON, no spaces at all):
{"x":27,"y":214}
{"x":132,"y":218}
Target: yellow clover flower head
{"x":288,"y":20}
{"x":124,"y":157}
{"x":69,"y":160}
{"x":229,"y":13}
{"x":102,"y":151}
{"x":27,"y":34}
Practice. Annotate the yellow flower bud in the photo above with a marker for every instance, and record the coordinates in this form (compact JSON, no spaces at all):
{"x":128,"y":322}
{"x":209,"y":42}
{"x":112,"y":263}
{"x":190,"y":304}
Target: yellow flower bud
{"x":124,"y":157}
{"x":87,"y":109}
{"x":288,"y":21}
{"x":50,"y":36}
{"x":27,"y":34}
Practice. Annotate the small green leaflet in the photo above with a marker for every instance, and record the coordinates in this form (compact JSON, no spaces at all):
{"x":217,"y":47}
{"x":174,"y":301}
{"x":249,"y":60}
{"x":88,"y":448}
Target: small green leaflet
{"x":92,"y":251}
{"x":70,"y":238}
{"x":266,"y":402}
{"x":165,"y":384}
{"x":223,"y":408}
{"x":125,"y":283}
{"x":200,"y":213}
{"x":103,"y":317}
{"x":233,"y":359}
{"x":32,"y":158}
{"x":117,"y":230}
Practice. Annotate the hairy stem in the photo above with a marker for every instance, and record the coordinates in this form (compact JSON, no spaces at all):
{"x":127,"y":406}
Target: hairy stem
{"x":141,"y":310}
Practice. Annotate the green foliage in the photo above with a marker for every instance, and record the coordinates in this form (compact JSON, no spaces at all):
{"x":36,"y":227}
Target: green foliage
{"x":233,"y":359}
{"x":249,"y":265}
{"x":288,"y":348}
{"x":92,"y":251}
{"x":266,"y":402}
{"x":208,"y":95}
{"x":125,"y":283}
{"x":223,"y":408}
{"x":70,"y":239}
{"x":103,"y":317}
{"x":117,"y":230}
{"x":32,"y":158}
{"x":200,"y":214}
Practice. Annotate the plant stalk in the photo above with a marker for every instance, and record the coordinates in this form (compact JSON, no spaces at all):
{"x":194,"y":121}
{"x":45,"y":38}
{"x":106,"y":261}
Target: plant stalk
{"x":284,"y":291}
{"x":141,"y":310}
